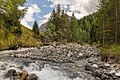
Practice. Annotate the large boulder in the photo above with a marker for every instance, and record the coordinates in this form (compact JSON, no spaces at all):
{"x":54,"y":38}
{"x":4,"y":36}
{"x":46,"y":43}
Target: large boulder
{"x":24,"y":75}
{"x":90,"y":68}
{"x":10,"y":73}
{"x":32,"y":77}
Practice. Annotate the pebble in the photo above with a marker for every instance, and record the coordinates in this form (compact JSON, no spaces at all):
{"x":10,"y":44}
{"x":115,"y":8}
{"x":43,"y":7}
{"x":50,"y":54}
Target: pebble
{"x":117,"y":74}
{"x":107,"y":65}
{"x":95,"y":65}
{"x":112,"y":72}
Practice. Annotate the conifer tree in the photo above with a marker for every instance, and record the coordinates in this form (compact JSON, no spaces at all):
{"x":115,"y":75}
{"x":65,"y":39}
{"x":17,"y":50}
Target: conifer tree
{"x":35,"y":28}
{"x":108,"y":12}
{"x":10,"y":15}
{"x":50,"y":32}
{"x":65,"y":26}
{"x":57,"y":24}
{"x":74,"y":29}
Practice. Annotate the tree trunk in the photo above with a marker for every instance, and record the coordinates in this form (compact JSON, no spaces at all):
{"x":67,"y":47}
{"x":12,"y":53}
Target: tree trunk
{"x":103,"y":33}
{"x":116,"y":32}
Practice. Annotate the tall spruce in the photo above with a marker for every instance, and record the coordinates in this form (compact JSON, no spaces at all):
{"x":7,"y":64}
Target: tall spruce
{"x":58,"y":28}
{"x":108,"y":12}
{"x":35,"y":28}
{"x":65,"y":26}
{"x":74,"y":29}
{"x":57,"y":24}
{"x":116,"y":21}
{"x":50,"y":33}
{"x":88,"y":28}
{"x":105,"y":20}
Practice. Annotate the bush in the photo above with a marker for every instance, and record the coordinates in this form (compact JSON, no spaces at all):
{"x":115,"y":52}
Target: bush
{"x":111,"y":52}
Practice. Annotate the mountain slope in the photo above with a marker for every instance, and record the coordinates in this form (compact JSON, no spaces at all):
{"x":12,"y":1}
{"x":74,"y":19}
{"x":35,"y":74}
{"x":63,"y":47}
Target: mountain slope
{"x":10,"y":41}
{"x":42,"y":28}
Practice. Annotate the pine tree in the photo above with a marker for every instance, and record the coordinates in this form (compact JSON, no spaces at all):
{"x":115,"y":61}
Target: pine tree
{"x":108,"y":14}
{"x":57,"y":24}
{"x":50,"y":32}
{"x":74,"y":29}
{"x":53,"y":17}
{"x":35,"y":28}
{"x":65,"y":26}
{"x":116,"y":21}
{"x":104,"y":17}
{"x":11,"y":15}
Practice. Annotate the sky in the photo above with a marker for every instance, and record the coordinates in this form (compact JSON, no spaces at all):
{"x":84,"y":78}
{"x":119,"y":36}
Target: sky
{"x":40,"y":10}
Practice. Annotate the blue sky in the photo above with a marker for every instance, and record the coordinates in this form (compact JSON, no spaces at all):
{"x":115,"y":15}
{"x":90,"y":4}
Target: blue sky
{"x":40,"y":10}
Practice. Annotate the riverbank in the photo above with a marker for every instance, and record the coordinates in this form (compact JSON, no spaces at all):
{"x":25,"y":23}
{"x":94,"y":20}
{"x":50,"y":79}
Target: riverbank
{"x":18,"y":50}
{"x":73,"y":61}
{"x":111,"y":53}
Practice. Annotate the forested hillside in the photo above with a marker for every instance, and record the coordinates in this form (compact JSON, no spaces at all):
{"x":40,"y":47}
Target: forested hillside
{"x":109,"y":23}
{"x":61,"y":28}
{"x":100,"y":27}
{"x":104,"y":23}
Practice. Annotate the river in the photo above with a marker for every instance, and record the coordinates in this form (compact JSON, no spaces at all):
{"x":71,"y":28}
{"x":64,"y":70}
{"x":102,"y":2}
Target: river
{"x":59,"y":62}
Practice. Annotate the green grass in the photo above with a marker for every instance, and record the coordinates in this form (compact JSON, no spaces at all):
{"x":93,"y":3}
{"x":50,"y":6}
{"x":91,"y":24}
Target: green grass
{"x":27,"y":38}
{"x":111,"y":52}
{"x":11,"y":41}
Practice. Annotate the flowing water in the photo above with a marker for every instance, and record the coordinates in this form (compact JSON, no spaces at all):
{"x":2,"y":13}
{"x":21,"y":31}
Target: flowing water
{"x":44,"y":71}
{"x":47,"y":69}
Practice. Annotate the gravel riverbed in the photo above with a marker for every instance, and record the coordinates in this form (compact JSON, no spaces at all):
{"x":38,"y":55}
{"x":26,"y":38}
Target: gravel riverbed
{"x":59,"y":62}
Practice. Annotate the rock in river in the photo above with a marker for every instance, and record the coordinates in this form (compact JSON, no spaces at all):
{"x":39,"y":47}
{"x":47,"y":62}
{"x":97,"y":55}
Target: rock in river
{"x":10,"y":73}
{"x":32,"y":77}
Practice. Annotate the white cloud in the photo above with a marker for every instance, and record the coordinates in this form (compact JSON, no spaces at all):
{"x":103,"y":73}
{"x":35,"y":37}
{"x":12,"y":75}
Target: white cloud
{"x":24,"y":23}
{"x":42,"y":21}
{"x":21,"y":8}
{"x":80,"y":7}
{"x":62,"y":2}
{"x":30,"y":12}
{"x":45,"y":18}
{"x":29,"y":16}
{"x":69,"y":13}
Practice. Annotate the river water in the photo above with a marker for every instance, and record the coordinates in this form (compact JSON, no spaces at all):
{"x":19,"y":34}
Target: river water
{"x":46,"y":62}
{"x":43,"y":70}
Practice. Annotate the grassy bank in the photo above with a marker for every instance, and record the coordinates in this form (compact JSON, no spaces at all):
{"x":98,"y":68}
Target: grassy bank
{"x":10,"y":41}
{"x":111,"y":53}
